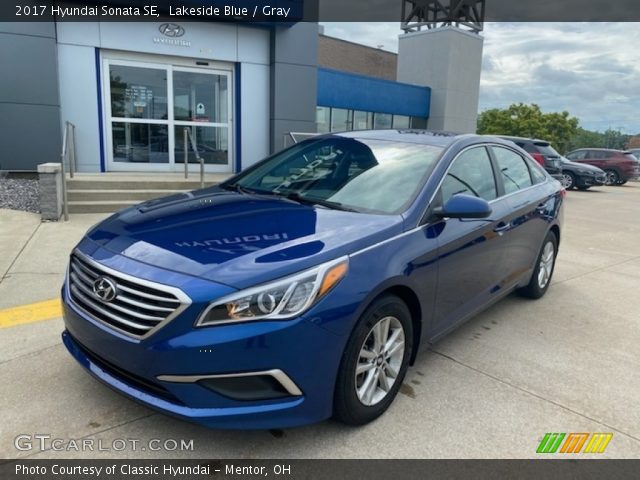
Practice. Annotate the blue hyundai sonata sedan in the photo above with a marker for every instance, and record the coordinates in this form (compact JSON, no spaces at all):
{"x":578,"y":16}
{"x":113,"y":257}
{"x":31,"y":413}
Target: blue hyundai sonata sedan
{"x":305,"y":286}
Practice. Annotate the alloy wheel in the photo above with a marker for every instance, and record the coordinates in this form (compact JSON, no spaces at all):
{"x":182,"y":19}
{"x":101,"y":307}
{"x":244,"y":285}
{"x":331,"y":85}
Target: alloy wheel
{"x":612,"y":178}
{"x":379,"y":361}
{"x":567,"y":181}
{"x":545,"y":267}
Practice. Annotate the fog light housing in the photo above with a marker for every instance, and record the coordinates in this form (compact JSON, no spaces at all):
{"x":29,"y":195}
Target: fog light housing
{"x":246,"y":388}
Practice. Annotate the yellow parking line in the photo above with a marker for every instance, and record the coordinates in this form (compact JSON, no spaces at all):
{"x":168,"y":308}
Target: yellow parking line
{"x":32,"y":312}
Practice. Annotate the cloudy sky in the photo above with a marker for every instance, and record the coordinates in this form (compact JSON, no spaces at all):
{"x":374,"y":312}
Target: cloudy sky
{"x":591,"y":70}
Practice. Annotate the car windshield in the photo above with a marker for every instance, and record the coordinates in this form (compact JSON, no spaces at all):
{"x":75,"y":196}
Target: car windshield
{"x":362,"y":175}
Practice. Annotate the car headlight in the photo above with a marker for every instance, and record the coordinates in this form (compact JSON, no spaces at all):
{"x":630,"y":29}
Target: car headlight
{"x":285,"y":298}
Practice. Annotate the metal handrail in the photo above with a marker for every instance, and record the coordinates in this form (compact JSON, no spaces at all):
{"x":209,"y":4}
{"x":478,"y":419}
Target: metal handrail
{"x":188,"y":138}
{"x":67,"y":155}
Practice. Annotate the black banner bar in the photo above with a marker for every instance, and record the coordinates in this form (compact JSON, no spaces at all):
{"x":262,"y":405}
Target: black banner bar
{"x":319,"y":469}
{"x":287,"y":11}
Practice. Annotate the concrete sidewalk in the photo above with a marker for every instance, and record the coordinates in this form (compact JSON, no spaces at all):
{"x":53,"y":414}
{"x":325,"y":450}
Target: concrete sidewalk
{"x":34,"y":255}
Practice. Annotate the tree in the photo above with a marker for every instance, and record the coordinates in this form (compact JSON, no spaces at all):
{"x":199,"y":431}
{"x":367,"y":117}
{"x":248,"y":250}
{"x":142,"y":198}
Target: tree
{"x":589,"y":139}
{"x":522,"y":120}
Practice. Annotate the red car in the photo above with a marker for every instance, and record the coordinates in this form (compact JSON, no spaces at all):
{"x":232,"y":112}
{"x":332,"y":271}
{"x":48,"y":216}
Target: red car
{"x":620,"y":166}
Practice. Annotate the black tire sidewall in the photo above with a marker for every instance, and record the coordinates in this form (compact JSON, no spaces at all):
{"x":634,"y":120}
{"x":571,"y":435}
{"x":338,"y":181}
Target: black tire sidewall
{"x":573,"y":180}
{"x":534,"y":290}
{"x":347,"y":406}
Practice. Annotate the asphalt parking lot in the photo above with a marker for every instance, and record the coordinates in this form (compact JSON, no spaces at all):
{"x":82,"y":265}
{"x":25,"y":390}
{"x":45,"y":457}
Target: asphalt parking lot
{"x":569,"y":362}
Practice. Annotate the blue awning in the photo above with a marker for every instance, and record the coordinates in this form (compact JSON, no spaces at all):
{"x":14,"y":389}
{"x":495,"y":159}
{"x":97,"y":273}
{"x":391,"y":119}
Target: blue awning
{"x":358,"y":92}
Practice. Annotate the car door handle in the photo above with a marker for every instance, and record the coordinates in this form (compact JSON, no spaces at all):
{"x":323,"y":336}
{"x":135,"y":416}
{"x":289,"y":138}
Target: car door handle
{"x":501,"y":227}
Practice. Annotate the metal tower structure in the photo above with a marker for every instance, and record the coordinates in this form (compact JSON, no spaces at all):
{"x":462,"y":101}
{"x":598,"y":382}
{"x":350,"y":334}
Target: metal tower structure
{"x":430,"y":14}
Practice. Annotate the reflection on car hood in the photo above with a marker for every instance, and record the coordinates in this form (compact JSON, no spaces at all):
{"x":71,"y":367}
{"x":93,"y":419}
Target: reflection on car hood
{"x":236,"y":239}
{"x":584,"y":166}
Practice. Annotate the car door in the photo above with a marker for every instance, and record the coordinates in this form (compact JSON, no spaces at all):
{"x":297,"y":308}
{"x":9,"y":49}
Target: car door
{"x":530,"y":205}
{"x":469,"y":250}
{"x":596,"y":158}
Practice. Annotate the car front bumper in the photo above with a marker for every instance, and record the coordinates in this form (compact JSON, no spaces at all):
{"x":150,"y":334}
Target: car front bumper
{"x":168,"y":370}
{"x":583,"y":180}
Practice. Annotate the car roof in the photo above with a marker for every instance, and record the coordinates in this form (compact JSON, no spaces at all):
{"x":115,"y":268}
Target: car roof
{"x":597,"y":149}
{"x":425,"y":137}
{"x":535,"y":140}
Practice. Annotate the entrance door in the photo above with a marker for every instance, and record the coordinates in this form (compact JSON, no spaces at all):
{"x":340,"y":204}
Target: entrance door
{"x":148,"y":108}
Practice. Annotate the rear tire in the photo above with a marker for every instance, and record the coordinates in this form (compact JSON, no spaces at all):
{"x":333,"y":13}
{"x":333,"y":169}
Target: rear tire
{"x":545,"y":264}
{"x":374,"y":362}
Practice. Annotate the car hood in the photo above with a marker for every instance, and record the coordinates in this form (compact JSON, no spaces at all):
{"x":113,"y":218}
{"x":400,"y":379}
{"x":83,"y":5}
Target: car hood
{"x":583,"y":166}
{"x":236,"y":239}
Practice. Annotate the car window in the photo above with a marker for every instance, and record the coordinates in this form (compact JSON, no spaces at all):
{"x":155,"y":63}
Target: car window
{"x":472,"y":174}
{"x":514,"y":172}
{"x":596,"y":155}
{"x":537,"y":173}
{"x":363,"y":174}
{"x":546,"y":149}
{"x":527,"y":147}
{"x":579,"y":155}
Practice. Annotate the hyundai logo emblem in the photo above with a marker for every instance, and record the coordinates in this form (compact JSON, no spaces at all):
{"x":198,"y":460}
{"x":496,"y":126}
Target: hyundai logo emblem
{"x":171,"y":30}
{"x":105,"y":289}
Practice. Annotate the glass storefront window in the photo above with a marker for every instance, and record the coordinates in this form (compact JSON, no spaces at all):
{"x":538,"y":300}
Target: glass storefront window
{"x":212,"y":144}
{"x":138,"y":92}
{"x":200,"y":97}
{"x":323,"y":115}
{"x":419,"y":123}
{"x":140,"y":143}
{"x":362,"y":120}
{"x":382,"y":120}
{"x":400,"y":121}
{"x":341,"y":120}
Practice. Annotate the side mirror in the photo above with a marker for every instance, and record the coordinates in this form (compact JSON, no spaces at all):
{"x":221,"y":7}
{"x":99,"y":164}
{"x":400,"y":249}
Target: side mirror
{"x":464,"y":206}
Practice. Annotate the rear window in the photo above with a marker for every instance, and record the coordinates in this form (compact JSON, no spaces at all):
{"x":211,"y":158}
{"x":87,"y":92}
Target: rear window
{"x":546,"y":149}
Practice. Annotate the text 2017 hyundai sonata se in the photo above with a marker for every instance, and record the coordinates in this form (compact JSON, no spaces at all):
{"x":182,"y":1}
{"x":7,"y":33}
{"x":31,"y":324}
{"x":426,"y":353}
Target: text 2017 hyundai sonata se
{"x":304,"y":286}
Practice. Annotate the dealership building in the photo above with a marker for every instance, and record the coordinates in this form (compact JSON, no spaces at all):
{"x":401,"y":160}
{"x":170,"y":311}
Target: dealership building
{"x":131,"y":89}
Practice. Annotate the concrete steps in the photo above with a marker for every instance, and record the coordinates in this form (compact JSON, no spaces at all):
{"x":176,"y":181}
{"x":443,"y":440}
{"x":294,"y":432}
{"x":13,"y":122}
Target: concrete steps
{"x":103,"y":206}
{"x":87,"y":195}
{"x":107,"y":192}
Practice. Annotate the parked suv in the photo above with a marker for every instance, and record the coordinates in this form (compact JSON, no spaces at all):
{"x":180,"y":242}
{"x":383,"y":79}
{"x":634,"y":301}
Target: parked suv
{"x":620,"y":166}
{"x":542,"y":152}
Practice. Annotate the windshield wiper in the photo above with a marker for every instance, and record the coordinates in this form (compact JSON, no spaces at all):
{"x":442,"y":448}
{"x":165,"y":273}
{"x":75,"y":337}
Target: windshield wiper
{"x":295,"y":196}
{"x":236,"y":187}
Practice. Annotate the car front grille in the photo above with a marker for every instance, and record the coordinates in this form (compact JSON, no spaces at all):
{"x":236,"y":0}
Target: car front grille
{"x":139,"y":306}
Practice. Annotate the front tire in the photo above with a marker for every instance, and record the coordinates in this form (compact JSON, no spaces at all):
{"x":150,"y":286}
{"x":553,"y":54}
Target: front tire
{"x":568,"y":180}
{"x":374,"y":362}
{"x":545,"y":264}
